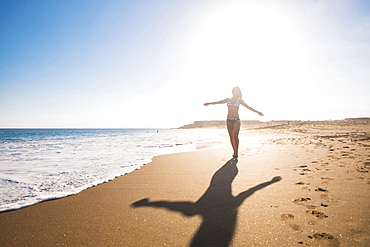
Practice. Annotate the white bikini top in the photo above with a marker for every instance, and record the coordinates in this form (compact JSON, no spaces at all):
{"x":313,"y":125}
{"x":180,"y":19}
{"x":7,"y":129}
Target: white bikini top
{"x":236,"y":104}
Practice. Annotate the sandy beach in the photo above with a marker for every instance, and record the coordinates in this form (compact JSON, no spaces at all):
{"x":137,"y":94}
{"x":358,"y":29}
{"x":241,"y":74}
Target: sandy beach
{"x":301,"y":184}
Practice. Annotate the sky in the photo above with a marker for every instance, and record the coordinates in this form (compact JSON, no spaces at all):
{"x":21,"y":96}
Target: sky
{"x":154,"y":63}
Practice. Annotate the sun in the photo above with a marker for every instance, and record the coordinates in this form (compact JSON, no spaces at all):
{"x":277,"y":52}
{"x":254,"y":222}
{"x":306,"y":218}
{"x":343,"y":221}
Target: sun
{"x":240,"y":41}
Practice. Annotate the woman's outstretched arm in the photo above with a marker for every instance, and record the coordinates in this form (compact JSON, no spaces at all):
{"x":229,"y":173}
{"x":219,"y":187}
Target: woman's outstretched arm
{"x":217,"y":102}
{"x":250,"y":108}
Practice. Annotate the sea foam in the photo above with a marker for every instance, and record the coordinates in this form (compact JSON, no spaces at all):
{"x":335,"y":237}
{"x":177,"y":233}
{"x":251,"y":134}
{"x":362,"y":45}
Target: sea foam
{"x":38,"y":165}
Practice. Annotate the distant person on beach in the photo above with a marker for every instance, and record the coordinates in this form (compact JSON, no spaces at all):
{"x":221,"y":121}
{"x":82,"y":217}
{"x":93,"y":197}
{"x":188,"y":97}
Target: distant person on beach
{"x":233,"y":120}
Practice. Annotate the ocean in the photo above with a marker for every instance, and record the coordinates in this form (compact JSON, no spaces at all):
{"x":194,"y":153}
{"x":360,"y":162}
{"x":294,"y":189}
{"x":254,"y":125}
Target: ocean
{"x":43,"y":164}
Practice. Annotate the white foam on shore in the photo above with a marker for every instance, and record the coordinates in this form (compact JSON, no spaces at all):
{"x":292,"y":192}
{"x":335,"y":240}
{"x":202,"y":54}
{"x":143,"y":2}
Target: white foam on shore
{"x":32,"y":171}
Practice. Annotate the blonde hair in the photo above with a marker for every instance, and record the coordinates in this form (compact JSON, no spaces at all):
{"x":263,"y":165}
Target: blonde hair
{"x":237,"y":92}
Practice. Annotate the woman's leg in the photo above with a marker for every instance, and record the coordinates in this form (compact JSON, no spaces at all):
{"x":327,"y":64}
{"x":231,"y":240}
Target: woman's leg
{"x":236,"y":137}
{"x":233,"y":129}
{"x":230,"y":128}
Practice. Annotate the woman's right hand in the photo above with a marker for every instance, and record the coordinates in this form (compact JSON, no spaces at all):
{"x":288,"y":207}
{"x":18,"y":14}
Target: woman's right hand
{"x":206,"y":104}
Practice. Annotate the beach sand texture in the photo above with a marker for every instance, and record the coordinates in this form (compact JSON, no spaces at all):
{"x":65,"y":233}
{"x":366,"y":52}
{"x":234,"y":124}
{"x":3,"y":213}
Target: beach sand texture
{"x":304,"y":184}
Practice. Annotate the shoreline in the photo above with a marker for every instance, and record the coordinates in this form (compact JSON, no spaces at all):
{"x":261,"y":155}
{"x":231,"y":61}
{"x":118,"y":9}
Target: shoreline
{"x":20,"y":189}
{"x":256,"y":124}
{"x":179,"y":199}
{"x":202,"y":148}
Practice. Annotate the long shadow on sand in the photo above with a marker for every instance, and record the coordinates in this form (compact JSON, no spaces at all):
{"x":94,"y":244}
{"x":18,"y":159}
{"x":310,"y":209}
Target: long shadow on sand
{"x":217,"y":207}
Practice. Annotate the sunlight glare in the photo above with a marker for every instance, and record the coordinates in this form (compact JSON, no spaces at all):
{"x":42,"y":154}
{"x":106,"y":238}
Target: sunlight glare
{"x":245,"y":44}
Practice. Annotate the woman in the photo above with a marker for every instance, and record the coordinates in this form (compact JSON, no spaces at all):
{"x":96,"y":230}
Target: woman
{"x":233,"y":120}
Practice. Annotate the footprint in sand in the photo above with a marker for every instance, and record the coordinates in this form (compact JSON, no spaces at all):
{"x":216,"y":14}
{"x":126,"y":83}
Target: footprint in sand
{"x":317,"y":214}
{"x":303,"y":187}
{"x":245,"y":151}
{"x":302,"y":169}
{"x":325,"y":239}
{"x":289,"y":220}
{"x":304,"y":202}
{"x":301,"y":201}
{"x":324,"y":194}
{"x":287,"y":217}
{"x":321,"y":189}
{"x":363,"y":168}
{"x":326,"y":180}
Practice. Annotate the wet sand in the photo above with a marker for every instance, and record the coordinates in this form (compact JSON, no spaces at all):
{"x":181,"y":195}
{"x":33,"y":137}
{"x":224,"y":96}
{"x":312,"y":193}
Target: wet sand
{"x":303,"y":184}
